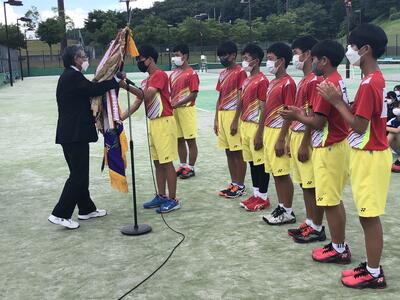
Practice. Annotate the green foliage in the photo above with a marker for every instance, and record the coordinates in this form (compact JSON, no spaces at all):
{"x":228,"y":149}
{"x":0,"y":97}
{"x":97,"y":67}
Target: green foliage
{"x":51,"y":31}
{"x":15,"y":37}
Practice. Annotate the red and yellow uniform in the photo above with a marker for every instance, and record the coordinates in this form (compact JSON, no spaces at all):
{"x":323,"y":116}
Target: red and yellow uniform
{"x":229,"y":85}
{"x":254,"y":91}
{"x":281,"y":92}
{"x":303,"y":172}
{"x":331,"y":149}
{"x":162,"y":126}
{"x":182,"y":84}
{"x":370,"y":157}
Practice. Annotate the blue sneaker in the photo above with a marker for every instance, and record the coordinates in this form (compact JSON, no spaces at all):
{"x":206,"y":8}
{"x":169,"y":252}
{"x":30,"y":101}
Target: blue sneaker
{"x":156,"y":202}
{"x":168,"y":205}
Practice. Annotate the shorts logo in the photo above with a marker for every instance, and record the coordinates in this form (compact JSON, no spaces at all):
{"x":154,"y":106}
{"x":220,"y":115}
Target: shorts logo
{"x":320,"y":198}
{"x":363,"y":209}
{"x":280,"y":170}
{"x":166,"y":158}
{"x":235,"y":146}
{"x":258,"y":160}
{"x":309,"y":182}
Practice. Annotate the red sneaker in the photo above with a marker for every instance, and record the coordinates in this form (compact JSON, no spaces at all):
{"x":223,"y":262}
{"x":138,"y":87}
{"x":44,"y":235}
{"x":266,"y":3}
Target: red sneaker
{"x":396,"y":168}
{"x":328,"y":254}
{"x":364,"y":280}
{"x":246,"y":202}
{"x":258,"y":204}
{"x":179,"y":171}
{"x":351,"y":272}
{"x":223,"y":192}
{"x":298,"y":230}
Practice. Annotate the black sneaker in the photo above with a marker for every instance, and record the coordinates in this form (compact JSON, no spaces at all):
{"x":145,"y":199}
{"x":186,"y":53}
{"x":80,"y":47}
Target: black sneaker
{"x":298,"y":230}
{"x":310,"y":235}
{"x":187,"y":173}
{"x":235,"y":191}
{"x":223,"y":192}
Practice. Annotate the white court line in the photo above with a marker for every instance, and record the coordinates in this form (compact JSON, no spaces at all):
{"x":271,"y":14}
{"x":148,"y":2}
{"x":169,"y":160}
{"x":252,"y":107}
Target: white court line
{"x":201,"y":109}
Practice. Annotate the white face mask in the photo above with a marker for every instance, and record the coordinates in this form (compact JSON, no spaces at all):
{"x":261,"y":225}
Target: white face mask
{"x":389,"y":100}
{"x":177,"y":61}
{"x":397,"y":94}
{"x":246,"y":66}
{"x":297,"y":63}
{"x":396,"y":111}
{"x":271,"y":67}
{"x":353,"y":56}
{"x":85,"y":65}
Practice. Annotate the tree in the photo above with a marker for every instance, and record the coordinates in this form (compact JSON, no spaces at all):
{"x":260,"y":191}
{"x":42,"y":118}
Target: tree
{"x":34,"y":15}
{"x":15,"y":37}
{"x":51,"y":31}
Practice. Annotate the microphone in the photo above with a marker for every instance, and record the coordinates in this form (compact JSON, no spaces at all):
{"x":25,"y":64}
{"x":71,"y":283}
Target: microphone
{"x":122,"y":76}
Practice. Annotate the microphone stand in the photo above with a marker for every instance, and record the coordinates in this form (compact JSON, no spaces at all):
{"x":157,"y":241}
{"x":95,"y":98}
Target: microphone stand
{"x":135,"y":229}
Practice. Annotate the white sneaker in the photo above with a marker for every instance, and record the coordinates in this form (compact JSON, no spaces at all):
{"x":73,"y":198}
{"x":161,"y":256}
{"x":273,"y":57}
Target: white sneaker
{"x":279,"y":217}
{"x":68,"y":223}
{"x":95,"y":214}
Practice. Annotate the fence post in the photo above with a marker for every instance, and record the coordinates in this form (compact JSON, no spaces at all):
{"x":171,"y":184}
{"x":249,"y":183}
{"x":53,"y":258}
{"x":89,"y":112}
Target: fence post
{"x":396,"y":46}
{"x":44,"y":64}
{"x":59,"y":62}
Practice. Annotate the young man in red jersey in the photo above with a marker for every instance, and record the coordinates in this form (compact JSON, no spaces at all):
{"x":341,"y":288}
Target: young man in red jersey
{"x":184,"y":86}
{"x":252,"y":100}
{"x":300,"y":144}
{"x":370,"y":157}
{"x":331,"y":151}
{"x":272,"y":133}
{"x":162,"y":128}
{"x":226,"y":121}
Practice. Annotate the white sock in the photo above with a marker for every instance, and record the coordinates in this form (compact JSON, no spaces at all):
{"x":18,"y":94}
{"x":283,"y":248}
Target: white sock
{"x":280,"y":205}
{"x":308,"y":222}
{"x":374,"y":271}
{"x":288,"y":209}
{"x":263,"y":196}
{"x":316,"y":227}
{"x":255,"y":191}
{"x":339,"y":247}
{"x":191,"y":167}
{"x":182,"y":165}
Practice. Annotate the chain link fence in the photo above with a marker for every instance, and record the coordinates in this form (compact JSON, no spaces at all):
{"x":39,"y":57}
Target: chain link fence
{"x":4,"y":65}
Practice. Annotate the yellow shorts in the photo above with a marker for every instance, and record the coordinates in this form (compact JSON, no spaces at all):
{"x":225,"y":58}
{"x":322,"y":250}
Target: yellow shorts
{"x":163,"y":139}
{"x":186,"y":122}
{"x":248,"y":131}
{"x":225,"y":139}
{"x":303,"y":172}
{"x":370,"y":179}
{"x":331,"y":172}
{"x":278,"y":166}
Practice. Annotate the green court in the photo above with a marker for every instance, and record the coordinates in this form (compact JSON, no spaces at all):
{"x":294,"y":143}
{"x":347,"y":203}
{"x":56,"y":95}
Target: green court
{"x":228,"y":253}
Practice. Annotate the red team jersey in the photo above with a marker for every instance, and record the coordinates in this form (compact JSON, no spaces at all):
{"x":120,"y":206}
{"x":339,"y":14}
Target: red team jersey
{"x":336,"y":129}
{"x":306,"y":91}
{"x":369,"y":104}
{"x":160,"y":105}
{"x":281,"y":92}
{"x":254,"y":90}
{"x":182,"y":83}
{"x":229,"y":84}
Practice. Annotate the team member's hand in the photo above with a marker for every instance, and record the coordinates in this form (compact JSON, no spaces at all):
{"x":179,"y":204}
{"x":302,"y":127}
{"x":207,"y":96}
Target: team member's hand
{"x":280,"y":148}
{"x":303,"y":154}
{"x":330,"y":93}
{"x":234,"y":127}
{"x":216,"y":126}
{"x":291,"y":113}
{"x":258,"y":142}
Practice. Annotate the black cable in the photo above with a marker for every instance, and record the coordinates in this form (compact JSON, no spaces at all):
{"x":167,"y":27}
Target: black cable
{"x":162,"y":215}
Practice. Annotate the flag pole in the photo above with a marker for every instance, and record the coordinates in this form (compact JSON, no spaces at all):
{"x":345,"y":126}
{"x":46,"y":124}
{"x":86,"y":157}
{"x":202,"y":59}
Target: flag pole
{"x":135,"y":228}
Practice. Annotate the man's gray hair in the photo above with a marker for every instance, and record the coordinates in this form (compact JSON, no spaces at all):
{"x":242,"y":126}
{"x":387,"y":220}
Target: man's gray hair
{"x":70,"y":53}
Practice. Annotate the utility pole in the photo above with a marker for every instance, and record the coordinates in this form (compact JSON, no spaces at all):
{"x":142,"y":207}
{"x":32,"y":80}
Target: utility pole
{"x":61,"y":15}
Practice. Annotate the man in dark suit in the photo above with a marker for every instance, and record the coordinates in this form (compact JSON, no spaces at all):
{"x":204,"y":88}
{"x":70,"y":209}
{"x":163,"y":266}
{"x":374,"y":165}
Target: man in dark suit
{"x":75,"y":130}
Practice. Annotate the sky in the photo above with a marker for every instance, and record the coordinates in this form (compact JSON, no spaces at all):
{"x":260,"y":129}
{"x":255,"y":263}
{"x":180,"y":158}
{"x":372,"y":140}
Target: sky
{"x":76,"y":9}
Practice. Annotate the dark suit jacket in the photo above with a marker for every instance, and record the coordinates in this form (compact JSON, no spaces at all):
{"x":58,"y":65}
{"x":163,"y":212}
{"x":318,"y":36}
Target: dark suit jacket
{"x":75,"y":119}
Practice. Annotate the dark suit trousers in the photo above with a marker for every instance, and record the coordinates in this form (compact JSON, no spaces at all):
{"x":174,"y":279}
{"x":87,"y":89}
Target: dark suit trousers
{"x":76,"y":188}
